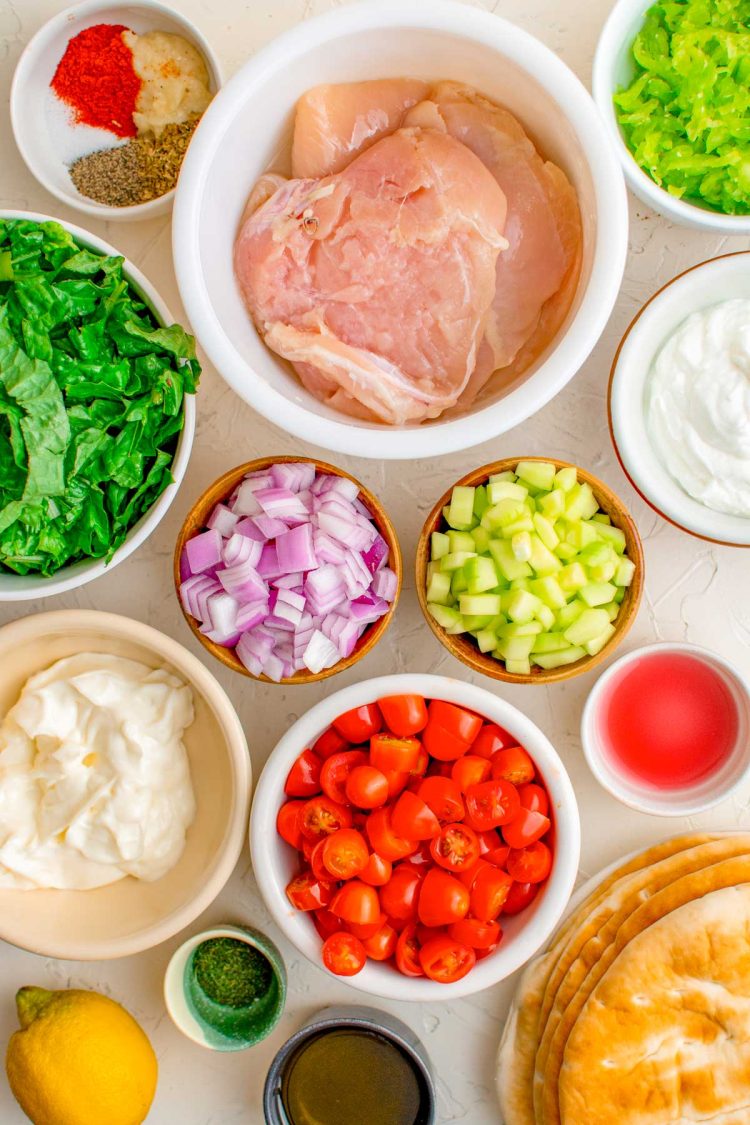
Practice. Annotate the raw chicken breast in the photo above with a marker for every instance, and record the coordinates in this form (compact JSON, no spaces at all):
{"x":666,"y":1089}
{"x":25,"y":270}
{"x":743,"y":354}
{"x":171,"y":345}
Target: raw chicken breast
{"x":538,"y":273}
{"x":376,"y":282}
{"x":335,"y":123}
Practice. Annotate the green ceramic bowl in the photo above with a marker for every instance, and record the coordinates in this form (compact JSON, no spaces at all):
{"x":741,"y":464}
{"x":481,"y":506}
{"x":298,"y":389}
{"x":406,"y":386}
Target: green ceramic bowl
{"x":218,"y":1026}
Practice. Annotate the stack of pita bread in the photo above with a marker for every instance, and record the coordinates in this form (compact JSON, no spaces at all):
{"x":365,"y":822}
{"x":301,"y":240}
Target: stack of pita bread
{"x":639,"y":1012}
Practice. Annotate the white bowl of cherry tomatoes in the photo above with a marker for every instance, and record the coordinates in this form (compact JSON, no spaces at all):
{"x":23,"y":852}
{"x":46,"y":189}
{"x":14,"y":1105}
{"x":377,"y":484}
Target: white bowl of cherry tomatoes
{"x":416,"y":835}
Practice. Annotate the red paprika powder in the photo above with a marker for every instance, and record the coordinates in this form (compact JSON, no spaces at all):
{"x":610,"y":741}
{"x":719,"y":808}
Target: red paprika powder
{"x":97,"y":79}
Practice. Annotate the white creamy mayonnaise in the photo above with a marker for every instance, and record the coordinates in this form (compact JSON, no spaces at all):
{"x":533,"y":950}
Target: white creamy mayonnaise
{"x":94,"y":777}
{"x":698,"y":406}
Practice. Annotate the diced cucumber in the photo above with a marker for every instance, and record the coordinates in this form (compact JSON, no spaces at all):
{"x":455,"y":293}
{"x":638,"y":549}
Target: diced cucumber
{"x":596,"y":593}
{"x":439,"y":545}
{"x":459,"y":627}
{"x":460,"y":541}
{"x":445,"y":615}
{"x":589,"y":625}
{"x":480,"y":501}
{"x":518,"y":667}
{"x":569,"y":613}
{"x":545,"y":531}
{"x":598,"y":643}
{"x":559,"y":659}
{"x":580,"y":503}
{"x":523,"y":606}
{"x":501,"y":514}
{"x":624,"y":573}
{"x":552,"y":504}
{"x":550,"y":642}
{"x":439,"y":588}
{"x":518,"y":629}
{"x":506,"y":562}
{"x":601,"y":517}
{"x":520,"y":545}
{"x":619,"y":595}
{"x":482,"y":604}
{"x":461,"y":508}
{"x":515,"y":648}
{"x":523,"y":523}
{"x":565,"y":551}
{"x":550,"y":591}
{"x":595,"y":554}
{"x":456,"y":559}
{"x":614,"y":536}
{"x":505,"y":490}
{"x":520,"y":584}
{"x":605,"y":572}
{"x":481,"y":575}
{"x":507,"y":475}
{"x":545,"y":616}
{"x":582,"y":534}
{"x":481,"y":538}
{"x":473,"y":622}
{"x":542,"y":560}
{"x":612,"y":609}
{"x":486,"y":640}
{"x":572,"y":577}
{"x":566,"y":478}
{"x":459,"y":585}
{"x":539,"y":474}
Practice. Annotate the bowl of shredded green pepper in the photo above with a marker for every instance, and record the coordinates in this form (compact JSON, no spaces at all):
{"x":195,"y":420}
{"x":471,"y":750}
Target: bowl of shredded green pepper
{"x":672,"y":80}
{"x":97,"y":409}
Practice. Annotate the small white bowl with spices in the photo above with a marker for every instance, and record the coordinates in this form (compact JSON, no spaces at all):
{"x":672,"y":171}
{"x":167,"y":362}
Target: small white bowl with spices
{"x":130,"y":82}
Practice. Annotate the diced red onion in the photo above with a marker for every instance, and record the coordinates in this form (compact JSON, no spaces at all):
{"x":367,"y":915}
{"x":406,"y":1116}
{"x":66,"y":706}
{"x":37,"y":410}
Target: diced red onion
{"x":289,"y":581}
{"x":281,"y":503}
{"x":249,"y":528}
{"x":294,"y":549}
{"x":376,"y":554}
{"x":223,"y":520}
{"x":244,"y":583}
{"x":385,"y":584}
{"x":349,"y":534}
{"x":245,"y":502}
{"x":185,"y":571}
{"x":327,"y":550}
{"x":296,"y":476}
{"x":320,"y":653}
{"x":204,"y":551}
{"x":220,"y":617}
{"x":268,"y":566}
{"x":268,"y":526}
{"x":251,"y":615}
{"x":240,"y":549}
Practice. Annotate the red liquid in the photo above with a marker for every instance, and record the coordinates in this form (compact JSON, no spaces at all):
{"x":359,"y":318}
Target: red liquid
{"x":668,"y":720}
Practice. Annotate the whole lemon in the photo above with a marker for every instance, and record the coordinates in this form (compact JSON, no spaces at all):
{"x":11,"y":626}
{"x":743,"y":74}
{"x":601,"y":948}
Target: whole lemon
{"x":79,"y":1059}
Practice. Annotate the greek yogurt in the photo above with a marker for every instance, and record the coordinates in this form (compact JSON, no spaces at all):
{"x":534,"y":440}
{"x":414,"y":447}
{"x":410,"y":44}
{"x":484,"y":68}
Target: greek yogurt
{"x":697,"y":403}
{"x":94,"y":776}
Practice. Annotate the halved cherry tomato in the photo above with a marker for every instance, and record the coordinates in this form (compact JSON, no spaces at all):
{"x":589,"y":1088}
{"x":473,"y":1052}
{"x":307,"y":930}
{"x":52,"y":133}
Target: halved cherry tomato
{"x":479,"y":935}
{"x":419,"y":769}
{"x":446,"y":960}
{"x":356,"y":902}
{"x":488,"y":840}
{"x":498,"y":856}
{"x":442,"y":744}
{"x":526,"y":828}
{"x":303,"y":779}
{"x":413,"y":819}
{"x":407,"y":953}
{"x":382,"y":945}
{"x":513,"y":764}
{"x":530,"y":865}
{"x":470,"y":770}
{"x":491,"y":803}
{"x":320,"y":816}
{"x":330,"y":742}
{"x":490,"y":739}
{"x":360,"y":723}
{"x":482,"y":953}
{"x":443,"y":899}
{"x":519,"y":897}
{"x":535,"y":798}
{"x":444,"y":798}
{"x":366,"y":787}
{"x":389,"y":752}
{"x":428,"y":933}
{"x":366,"y":931}
{"x":345,"y":853}
{"x":404,"y":714}
{"x":489,"y":892}
{"x":377,"y":872}
{"x":318,"y":868}
{"x":462,"y":724}
{"x":439,"y":769}
{"x":308,"y":847}
{"x":305,"y":892}
{"x":397,"y":782}
{"x":344,"y":955}
{"x":384,"y":840}
{"x":421,"y":858}
{"x":467,"y":877}
{"x":325,"y":922}
{"x":288,"y":823}
{"x":335,"y":773}
{"x":456,"y":848}
{"x":398,"y":898}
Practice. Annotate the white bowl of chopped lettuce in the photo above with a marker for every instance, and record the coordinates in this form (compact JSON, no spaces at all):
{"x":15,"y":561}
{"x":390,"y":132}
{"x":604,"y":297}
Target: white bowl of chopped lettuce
{"x":671,"y":82}
{"x":97,"y":410}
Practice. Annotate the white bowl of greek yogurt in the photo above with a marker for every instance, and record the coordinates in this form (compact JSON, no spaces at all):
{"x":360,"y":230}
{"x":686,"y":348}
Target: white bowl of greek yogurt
{"x":679,"y":401}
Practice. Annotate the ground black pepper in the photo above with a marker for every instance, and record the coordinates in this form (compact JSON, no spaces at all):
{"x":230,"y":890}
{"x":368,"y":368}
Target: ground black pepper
{"x":143,"y":169}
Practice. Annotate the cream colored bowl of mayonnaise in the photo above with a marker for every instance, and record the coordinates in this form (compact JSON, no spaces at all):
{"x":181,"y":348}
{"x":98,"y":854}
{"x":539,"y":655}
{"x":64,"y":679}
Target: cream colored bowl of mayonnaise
{"x":679,"y":401}
{"x":125,"y":785}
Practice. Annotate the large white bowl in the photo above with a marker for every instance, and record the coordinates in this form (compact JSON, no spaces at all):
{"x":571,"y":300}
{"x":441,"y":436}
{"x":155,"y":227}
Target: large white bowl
{"x":247,"y":128}
{"x":709,"y":283}
{"x":30,"y":96}
{"x":614,"y":68}
{"x":275,"y":862}
{"x":24,"y":587}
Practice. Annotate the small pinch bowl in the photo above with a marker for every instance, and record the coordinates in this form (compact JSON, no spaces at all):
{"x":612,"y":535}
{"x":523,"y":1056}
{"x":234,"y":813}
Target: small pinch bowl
{"x":275,"y":862}
{"x":195,"y":521}
{"x":466,"y":650}
{"x":703,"y":285}
{"x":30,"y":90}
{"x":132,"y":915}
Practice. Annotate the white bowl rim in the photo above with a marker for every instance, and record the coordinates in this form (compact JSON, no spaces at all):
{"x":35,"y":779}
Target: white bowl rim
{"x":345,"y":436}
{"x":592,"y":752}
{"x":36,"y":586}
{"x":380,"y":980}
{"x":24,"y":69}
{"x":165,"y":647}
{"x":661,"y":492}
{"x":681,"y":211}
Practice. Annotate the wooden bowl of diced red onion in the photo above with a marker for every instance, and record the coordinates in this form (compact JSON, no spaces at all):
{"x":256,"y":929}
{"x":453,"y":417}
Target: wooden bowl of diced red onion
{"x":288,"y":569}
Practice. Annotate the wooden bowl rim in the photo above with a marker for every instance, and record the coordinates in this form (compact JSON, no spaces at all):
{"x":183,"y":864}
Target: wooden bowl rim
{"x":466,"y":651}
{"x":220,"y":489}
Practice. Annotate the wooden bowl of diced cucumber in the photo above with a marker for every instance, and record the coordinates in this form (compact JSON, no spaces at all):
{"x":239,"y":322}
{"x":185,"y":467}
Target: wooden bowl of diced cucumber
{"x":530,"y":570}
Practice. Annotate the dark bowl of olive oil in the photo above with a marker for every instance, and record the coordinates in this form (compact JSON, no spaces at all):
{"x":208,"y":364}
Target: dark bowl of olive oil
{"x":347,"y":1065}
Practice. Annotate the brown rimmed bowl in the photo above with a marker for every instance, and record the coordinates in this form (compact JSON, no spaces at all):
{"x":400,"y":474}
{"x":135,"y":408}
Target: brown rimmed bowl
{"x":464,"y":648}
{"x":223,"y":488}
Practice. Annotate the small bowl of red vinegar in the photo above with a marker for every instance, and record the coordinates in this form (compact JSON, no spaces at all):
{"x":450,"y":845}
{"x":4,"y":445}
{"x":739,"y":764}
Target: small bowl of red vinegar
{"x":666,"y":729}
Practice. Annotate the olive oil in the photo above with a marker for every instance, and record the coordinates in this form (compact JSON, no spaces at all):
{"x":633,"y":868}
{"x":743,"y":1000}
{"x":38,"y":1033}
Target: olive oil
{"x":349,"y":1076}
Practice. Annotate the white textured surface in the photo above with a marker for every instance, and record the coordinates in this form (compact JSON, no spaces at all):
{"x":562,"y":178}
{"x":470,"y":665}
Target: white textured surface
{"x":694,"y":592}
